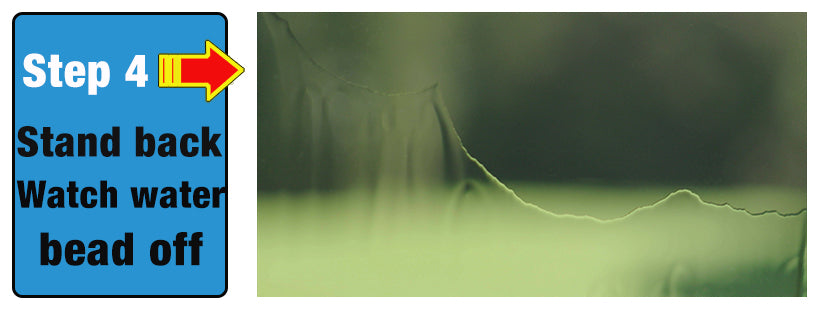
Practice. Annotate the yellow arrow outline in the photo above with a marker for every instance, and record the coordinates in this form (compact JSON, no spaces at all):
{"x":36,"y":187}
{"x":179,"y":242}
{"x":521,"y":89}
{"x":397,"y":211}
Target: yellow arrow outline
{"x":171,"y":64}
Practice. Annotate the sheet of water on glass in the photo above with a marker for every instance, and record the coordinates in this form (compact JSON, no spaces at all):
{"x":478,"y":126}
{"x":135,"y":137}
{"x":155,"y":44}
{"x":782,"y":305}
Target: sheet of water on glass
{"x":374,"y":194}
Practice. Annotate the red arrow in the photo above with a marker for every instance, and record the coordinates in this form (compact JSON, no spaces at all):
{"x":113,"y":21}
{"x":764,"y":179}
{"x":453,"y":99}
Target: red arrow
{"x":213,"y":70}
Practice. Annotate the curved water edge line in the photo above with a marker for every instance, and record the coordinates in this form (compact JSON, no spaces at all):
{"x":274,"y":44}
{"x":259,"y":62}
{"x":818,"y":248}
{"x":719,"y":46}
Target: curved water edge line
{"x":501,"y":185}
{"x":492,"y":178}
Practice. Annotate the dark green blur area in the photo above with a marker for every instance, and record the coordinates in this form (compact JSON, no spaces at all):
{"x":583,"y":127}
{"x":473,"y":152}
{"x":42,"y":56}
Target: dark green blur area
{"x":612,"y":144}
{"x":672,"y":99}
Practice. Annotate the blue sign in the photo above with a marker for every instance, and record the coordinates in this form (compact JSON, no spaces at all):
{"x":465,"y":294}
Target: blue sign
{"x":120,"y":185}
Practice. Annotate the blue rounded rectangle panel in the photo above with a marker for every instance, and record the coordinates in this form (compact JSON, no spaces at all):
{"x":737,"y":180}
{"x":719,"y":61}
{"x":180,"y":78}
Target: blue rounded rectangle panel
{"x":120,"y":185}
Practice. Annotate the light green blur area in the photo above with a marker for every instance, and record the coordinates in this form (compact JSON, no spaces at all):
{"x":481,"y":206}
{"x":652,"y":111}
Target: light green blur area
{"x":369,"y":193}
{"x":485,"y":242}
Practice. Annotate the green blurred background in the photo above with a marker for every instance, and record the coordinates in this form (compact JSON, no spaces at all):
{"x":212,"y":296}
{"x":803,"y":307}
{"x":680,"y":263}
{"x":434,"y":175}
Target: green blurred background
{"x":581,"y":114}
{"x":660,"y":99}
